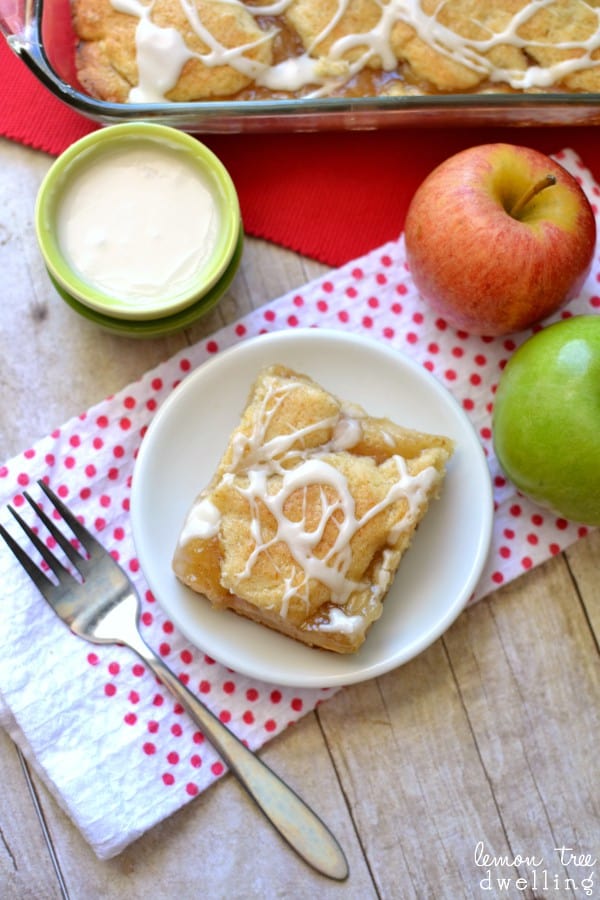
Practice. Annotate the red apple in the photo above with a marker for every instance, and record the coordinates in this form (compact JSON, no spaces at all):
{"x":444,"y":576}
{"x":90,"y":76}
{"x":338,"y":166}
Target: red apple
{"x":498,"y":237}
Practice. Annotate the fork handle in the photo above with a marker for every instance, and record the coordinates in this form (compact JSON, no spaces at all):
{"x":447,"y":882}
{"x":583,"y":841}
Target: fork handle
{"x":294,"y":820}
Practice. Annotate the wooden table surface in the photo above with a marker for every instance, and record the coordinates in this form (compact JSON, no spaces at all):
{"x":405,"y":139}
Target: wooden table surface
{"x":487,"y":743}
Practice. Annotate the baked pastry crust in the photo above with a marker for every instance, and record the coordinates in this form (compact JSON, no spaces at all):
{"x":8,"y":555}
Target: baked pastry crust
{"x":309,"y":512}
{"x":188,"y":50}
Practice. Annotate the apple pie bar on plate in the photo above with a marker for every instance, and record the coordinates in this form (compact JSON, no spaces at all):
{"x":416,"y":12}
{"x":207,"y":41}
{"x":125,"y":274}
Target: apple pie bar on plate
{"x":309,"y":512}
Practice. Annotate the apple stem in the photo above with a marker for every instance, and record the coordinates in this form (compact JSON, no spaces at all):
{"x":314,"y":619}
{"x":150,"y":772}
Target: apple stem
{"x":530,"y":193}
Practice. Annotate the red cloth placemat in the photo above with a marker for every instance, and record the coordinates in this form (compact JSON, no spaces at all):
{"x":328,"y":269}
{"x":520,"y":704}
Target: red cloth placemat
{"x":330,"y":196}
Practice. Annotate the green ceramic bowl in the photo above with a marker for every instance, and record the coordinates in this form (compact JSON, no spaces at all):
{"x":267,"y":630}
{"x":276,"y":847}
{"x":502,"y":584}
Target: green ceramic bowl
{"x":138,"y":222}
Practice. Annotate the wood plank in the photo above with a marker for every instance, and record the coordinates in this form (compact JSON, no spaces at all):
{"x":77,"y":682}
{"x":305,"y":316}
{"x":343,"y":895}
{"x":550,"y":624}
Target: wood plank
{"x":404,"y":750}
{"x":528,"y":676}
{"x":266,"y":273}
{"x":26,"y":867}
{"x":584,"y":563}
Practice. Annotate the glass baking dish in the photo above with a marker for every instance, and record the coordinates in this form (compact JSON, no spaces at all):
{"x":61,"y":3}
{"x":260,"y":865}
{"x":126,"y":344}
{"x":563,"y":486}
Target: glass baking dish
{"x":41,"y":34}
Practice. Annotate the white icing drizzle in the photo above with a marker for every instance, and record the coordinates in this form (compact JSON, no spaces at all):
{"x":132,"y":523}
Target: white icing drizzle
{"x":255,"y":460}
{"x":161,"y":52}
{"x":203,"y":521}
{"x":255,"y":449}
{"x":342,"y":623}
{"x":346,"y":434}
{"x":332,"y":569}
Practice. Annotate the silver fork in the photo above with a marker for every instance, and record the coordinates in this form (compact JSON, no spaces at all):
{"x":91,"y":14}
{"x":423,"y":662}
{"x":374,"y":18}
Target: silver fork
{"x":104,"y":608}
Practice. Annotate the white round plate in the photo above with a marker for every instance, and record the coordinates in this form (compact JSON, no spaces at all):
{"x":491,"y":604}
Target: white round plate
{"x":186,"y":439}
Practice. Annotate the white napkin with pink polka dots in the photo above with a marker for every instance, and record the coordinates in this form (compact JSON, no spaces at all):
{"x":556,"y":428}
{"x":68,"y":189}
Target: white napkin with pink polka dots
{"x":117,"y":753}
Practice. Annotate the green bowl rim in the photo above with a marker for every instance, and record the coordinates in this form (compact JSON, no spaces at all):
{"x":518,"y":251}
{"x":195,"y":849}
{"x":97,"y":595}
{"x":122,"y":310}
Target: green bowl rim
{"x":152,"y":328}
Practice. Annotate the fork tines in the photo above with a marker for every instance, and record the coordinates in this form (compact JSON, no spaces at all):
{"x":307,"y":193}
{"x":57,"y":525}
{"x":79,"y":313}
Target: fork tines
{"x":70,"y":551}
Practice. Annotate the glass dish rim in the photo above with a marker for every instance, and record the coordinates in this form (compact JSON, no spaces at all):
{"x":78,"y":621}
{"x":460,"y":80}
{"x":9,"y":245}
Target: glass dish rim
{"x":28,"y":45}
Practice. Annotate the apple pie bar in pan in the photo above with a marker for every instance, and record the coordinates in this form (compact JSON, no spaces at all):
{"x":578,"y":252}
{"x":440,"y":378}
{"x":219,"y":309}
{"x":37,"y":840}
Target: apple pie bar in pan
{"x":311,"y":508}
{"x":198,"y":50}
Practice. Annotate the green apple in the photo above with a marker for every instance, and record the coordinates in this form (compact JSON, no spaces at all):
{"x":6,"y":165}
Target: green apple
{"x":498,"y":237}
{"x":546,"y":419}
